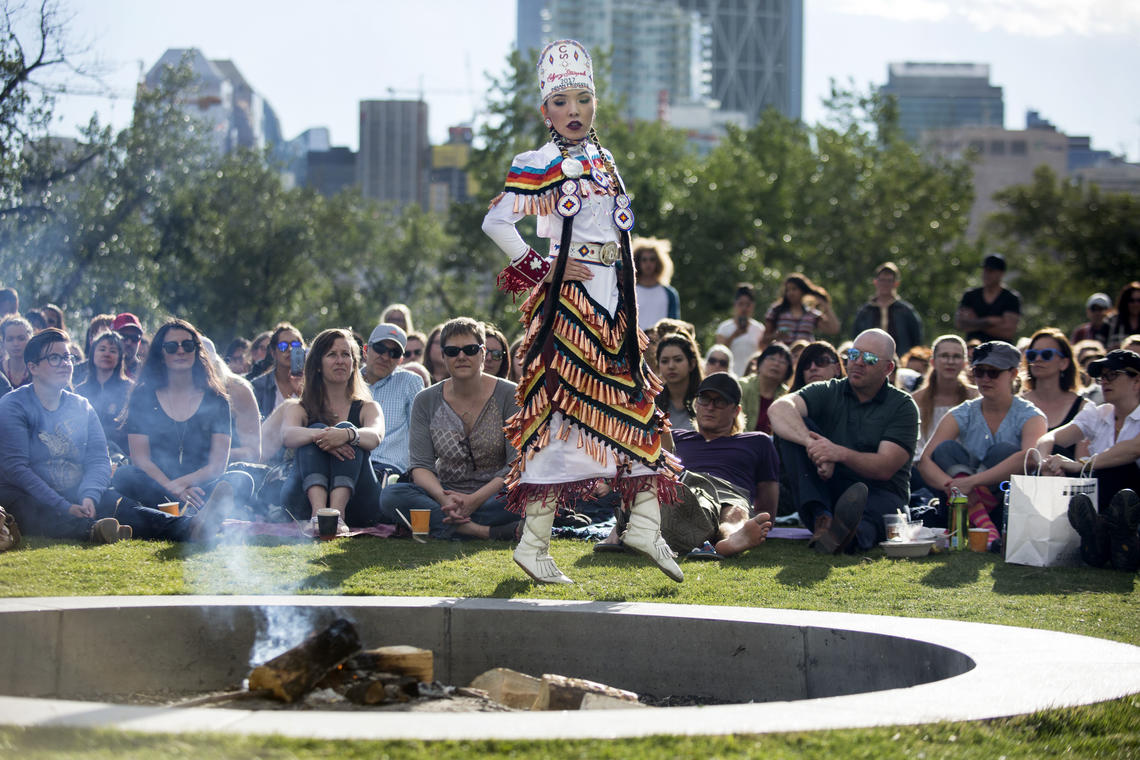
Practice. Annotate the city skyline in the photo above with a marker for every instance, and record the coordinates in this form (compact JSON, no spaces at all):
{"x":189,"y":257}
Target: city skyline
{"x":314,"y":68}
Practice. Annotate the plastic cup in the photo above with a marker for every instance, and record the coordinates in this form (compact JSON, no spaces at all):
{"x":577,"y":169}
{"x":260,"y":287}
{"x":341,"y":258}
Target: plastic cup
{"x":421,"y":521}
{"x":171,"y":508}
{"x":896,"y":527}
{"x":326,"y":523}
{"x":912,"y":529}
{"x":978,"y":539}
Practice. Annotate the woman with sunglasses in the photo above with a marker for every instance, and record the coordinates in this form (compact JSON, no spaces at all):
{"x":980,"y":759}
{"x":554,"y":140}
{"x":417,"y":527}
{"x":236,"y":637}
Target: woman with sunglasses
{"x":279,"y":384}
{"x":497,"y":362}
{"x":758,"y":391}
{"x":718,"y":359}
{"x":587,"y":417}
{"x":459,"y":455}
{"x":1052,"y":380}
{"x":1108,"y":529}
{"x":333,"y":430}
{"x":981,"y":442}
{"x":681,"y":370}
{"x":107,"y":386}
{"x":818,"y":361}
{"x":178,"y":425}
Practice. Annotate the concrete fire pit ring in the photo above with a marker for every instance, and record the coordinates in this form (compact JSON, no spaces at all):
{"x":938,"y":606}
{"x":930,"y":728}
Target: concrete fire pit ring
{"x":815,"y":670}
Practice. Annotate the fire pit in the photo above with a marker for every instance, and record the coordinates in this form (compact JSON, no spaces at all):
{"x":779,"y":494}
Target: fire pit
{"x":786,"y":669}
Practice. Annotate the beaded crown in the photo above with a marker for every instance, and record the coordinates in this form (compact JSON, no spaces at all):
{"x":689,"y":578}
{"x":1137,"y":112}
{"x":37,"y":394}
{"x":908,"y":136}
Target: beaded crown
{"x":564,"y":65}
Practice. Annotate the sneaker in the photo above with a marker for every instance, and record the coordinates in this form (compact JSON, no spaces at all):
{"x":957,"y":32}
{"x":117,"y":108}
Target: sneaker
{"x":105,"y":531}
{"x":1122,"y":522}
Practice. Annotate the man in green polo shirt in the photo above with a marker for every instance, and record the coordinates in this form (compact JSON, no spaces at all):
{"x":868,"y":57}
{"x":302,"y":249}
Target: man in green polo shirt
{"x":847,"y":445}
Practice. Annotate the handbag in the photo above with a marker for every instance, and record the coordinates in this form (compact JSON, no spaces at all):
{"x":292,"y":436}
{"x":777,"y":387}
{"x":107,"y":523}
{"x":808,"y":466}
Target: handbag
{"x":1038,"y":532}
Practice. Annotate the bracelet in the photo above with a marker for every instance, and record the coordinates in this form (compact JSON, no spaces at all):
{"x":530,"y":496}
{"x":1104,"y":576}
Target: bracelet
{"x":353,"y":435}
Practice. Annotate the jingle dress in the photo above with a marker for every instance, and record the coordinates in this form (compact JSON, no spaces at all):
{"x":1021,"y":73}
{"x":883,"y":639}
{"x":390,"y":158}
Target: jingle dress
{"x":582,"y":417}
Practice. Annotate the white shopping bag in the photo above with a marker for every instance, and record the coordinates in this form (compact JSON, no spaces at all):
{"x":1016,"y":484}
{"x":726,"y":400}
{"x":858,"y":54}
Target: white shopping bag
{"x":1038,"y":532}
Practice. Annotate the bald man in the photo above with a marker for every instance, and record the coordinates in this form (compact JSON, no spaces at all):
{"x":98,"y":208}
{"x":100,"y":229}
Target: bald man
{"x":847,"y":445}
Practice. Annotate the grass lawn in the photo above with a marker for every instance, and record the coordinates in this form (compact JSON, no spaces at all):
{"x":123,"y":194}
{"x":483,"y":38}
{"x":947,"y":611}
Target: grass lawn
{"x":966,"y":586}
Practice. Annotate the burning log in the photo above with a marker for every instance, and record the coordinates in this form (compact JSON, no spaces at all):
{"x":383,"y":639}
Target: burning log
{"x":404,"y":660}
{"x":290,"y":674}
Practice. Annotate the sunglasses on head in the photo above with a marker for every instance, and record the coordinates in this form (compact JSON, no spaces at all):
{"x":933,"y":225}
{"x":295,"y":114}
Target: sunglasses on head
{"x":990,"y":372}
{"x":381,"y":349}
{"x":1045,"y":354}
{"x":286,"y":345}
{"x":869,"y":358}
{"x":470,"y":350}
{"x":189,"y":346}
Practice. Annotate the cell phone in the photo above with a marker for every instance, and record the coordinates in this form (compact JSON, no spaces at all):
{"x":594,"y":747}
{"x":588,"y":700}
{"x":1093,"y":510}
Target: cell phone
{"x":742,"y":322}
{"x":297,"y":360}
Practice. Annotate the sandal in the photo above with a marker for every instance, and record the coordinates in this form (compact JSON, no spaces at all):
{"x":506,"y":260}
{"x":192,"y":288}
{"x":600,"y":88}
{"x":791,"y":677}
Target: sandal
{"x":705,"y":552}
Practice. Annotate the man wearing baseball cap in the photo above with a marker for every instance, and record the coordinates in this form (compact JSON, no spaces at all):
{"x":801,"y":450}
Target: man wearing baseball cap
{"x":1097,"y":309}
{"x":730,"y":487}
{"x":992,"y":311}
{"x":128,"y":326}
{"x":394,"y":389}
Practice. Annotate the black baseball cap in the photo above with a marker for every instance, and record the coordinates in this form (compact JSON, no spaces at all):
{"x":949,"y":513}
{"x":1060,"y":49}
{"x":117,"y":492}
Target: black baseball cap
{"x":1115,"y":360}
{"x":994,"y":261}
{"x":722,"y":383}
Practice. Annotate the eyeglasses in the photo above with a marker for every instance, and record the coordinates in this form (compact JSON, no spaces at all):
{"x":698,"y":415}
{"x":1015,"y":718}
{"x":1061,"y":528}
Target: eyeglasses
{"x":1045,"y":354}
{"x":717,"y":362}
{"x":869,"y":358}
{"x":54,"y":360}
{"x":286,"y":345}
{"x":990,"y":372}
{"x":381,"y":349}
{"x":496,"y":353}
{"x":188,"y":345}
{"x":470,"y":350}
{"x":824,"y":361}
{"x":715,"y":400}
{"x":1111,"y":374}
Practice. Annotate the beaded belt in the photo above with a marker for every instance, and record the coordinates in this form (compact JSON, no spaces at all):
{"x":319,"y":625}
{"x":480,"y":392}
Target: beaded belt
{"x":606,"y":254}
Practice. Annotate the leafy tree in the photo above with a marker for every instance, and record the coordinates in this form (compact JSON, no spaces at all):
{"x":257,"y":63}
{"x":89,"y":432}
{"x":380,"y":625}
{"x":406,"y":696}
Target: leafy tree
{"x":1054,"y":231}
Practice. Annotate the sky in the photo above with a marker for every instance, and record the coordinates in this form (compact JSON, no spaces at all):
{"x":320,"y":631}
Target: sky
{"x":1074,"y":61}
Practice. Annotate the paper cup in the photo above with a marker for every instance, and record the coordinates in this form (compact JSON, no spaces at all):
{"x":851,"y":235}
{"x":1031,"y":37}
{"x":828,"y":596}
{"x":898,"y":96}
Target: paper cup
{"x":421,"y":521}
{"x":327,"y":522}
{"x":171,"y":508}
{"x":978,"y":539}
{"x":896,"y":527}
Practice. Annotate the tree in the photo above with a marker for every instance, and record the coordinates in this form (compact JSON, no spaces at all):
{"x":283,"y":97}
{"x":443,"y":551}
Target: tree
{"x":1055,"y":231}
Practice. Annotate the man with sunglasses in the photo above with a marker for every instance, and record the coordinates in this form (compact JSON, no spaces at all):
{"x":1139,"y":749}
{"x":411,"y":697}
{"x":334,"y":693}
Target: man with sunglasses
{"x":847,"y":446}
{"x":394,"y":389}
{"x":128,"y":326}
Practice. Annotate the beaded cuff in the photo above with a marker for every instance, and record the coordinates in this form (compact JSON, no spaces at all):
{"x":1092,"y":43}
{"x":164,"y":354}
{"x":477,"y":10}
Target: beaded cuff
{"x":522,"y":275}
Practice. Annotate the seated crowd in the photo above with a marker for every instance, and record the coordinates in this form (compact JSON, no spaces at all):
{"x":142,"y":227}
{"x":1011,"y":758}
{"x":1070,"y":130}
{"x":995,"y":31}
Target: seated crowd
{"x":770,"y":422}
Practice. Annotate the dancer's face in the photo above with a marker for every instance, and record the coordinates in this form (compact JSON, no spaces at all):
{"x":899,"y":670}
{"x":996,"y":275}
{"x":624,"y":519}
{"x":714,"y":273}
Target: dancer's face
{"x":572,"y":112}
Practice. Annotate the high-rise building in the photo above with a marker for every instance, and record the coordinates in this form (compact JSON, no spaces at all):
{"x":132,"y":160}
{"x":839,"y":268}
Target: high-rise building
{"x":394,"y":163}
{"x":234,"y":113}
{"x":450,"y":182}
{"x":741,"y":56}
{"x":756,"y":50}
{"x":943,"y":96}
{"x":330,"y":171}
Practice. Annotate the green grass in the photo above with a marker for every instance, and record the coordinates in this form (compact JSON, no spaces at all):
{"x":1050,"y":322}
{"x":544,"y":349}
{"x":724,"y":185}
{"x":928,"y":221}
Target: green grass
{"x":965,"y":586}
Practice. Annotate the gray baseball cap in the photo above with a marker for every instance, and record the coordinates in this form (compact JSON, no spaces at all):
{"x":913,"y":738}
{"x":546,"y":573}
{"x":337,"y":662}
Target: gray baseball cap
{"x":386,"y":331}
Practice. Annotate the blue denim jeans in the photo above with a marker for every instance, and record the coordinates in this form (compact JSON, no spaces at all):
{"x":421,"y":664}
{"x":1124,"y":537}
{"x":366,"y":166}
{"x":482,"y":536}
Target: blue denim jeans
{"x":954,"y":459}
{"x":401,"y":497}
{"x":135,"y":484}
{"x":314,"y":467}
{"x":36,"y":519}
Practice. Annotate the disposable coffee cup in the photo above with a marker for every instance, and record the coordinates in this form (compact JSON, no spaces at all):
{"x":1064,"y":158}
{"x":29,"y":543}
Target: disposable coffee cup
{"x":978,"y":539}
{"x":421,"y":521}
{"x":171,"y":508}
{"x":326,"y":523}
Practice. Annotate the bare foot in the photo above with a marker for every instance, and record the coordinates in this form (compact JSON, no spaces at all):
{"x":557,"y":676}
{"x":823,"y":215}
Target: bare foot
{"x":751,"y":534}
